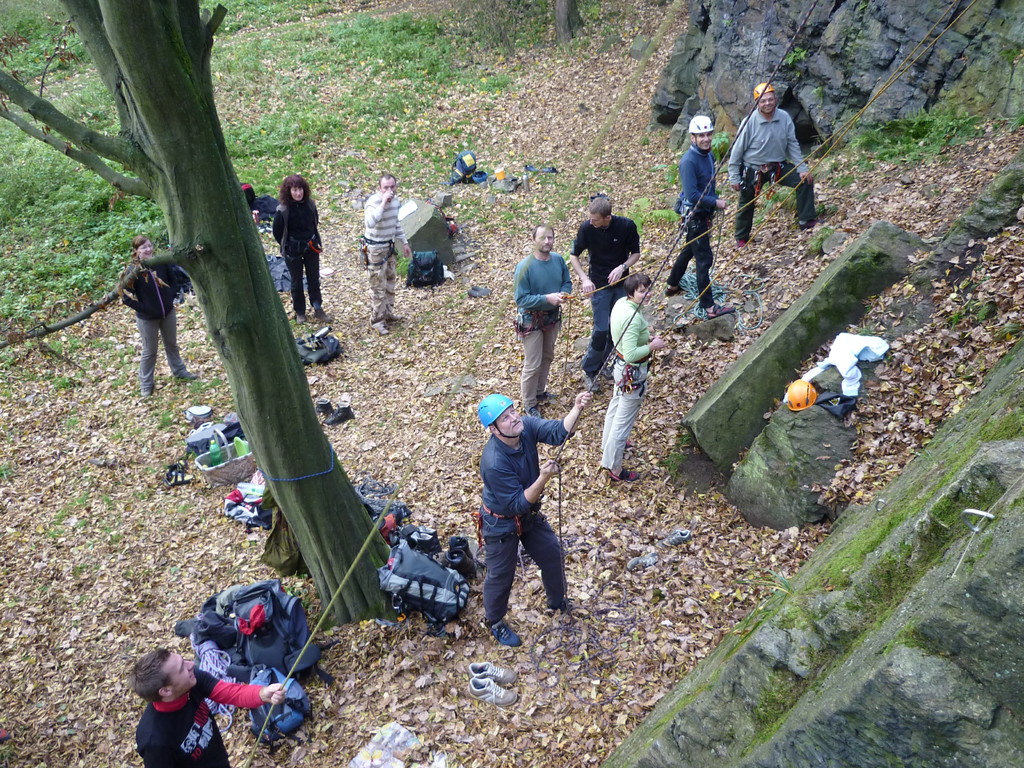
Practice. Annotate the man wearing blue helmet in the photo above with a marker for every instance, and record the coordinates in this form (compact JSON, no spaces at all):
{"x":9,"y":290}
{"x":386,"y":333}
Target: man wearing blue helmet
{"x":514,"y":481}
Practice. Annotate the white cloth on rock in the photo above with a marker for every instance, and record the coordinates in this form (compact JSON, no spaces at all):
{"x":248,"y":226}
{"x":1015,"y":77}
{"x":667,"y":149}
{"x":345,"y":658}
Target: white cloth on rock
{"x":846,"y":352}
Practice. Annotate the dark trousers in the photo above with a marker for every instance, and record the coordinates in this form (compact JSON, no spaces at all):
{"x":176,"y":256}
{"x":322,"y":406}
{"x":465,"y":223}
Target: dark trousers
{"x":788,"y":178}
{"x":502,"y":555}
{"x":601,"y":341}
{"x":310,"y":262}
{"x":698,"y":246}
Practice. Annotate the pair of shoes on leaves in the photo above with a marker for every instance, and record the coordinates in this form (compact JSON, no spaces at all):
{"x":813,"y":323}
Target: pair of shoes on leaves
{"x":534,"y":411}
{"x":500,"y":675}
{"x":716,"y":310}
{"x":342,"y":413}
{"x":623,"y":476}
{"x":504,"y":634}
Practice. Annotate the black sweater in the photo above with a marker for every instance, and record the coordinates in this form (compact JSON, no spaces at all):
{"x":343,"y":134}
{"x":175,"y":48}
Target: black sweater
{"x":152,"y":299}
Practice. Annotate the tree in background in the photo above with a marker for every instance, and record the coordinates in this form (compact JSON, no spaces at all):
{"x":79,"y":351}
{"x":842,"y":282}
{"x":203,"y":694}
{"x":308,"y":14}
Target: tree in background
{"x":153,"y":56}
{"x":567,"y":20}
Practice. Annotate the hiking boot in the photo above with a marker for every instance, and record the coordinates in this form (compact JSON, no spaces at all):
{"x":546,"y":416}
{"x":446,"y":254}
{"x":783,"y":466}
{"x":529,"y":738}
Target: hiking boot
{"x":563,"y":607}
{"x":717,"y":311}
{"x":380,"y":327}
{"x":493,"y":671}
{"x":323,"y":407}
{"x":534,"y":411}
{"x":673,"y":290}
{"x":320,"y":316}
{"x":642,"y":562}
{"x":806,"y":225}
{"x":485,"y":689}
{"x":300,"y":318}
{"x":503,"y":634}
{"x":624,"y":476}
{"x":341,"y":414}
{"x":146,"y":392}
{"x":186,"y":376}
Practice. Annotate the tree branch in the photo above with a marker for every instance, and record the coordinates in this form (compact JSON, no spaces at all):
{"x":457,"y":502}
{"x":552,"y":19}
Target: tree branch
{"x":93,"y":162}
{"x":115,"y":149}
{"x":127,"y":278}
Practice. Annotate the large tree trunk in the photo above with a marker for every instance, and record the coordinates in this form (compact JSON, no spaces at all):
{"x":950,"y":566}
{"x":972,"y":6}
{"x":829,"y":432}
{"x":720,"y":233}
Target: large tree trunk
{"x":567,"y":20}
{"x":154,"y":55}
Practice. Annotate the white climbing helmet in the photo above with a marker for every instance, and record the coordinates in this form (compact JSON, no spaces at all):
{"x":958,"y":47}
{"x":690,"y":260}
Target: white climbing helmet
{"x":701,"y":124}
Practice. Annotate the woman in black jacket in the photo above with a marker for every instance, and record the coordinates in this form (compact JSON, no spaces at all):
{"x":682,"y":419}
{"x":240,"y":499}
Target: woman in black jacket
{"x":296,"y":229}
{"x":151,"y":295}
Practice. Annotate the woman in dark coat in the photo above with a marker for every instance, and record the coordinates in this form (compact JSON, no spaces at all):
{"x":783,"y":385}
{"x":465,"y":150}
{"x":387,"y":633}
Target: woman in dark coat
{"x":296,"y":229}
{"x":151,"y":295}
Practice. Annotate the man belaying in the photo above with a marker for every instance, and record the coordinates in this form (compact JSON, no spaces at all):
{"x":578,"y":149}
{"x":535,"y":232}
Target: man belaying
{"x":514,"y":481}
{"x":766,"y":152}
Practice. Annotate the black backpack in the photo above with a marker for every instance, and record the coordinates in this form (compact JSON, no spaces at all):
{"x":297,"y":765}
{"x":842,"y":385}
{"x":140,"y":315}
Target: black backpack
{"x":425,"y":270}
{"x":318,"y":349}
{"x":417,"y":582}
{"x":463,"y":168}
{"x":288,"y":716}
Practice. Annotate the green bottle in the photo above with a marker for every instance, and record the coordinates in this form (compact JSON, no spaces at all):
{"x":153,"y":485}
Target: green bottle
{"x":215,"y":454}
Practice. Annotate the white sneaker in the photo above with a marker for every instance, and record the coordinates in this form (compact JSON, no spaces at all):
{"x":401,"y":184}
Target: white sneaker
{"x":485,"y":689}
{"x":380,"y":328}
{"x":493,"y":671}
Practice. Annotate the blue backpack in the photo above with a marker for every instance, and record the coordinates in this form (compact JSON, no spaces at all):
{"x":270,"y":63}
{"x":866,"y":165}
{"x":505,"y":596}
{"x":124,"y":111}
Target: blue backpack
{"x":425,"y":270}
{"x":463,"y":168}
{"x":288,"y":716}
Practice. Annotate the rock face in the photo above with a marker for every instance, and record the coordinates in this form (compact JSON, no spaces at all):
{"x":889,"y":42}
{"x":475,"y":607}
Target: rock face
{"x":725,"y":421}
{"x":427,"y":231}
{"x":899,"y":643}
{"x":773,"y":485}
{"x":840,"y":59}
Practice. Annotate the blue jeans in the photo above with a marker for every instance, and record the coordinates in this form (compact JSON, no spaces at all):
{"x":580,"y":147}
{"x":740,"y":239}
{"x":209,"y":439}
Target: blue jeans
{"x":601,"y":342}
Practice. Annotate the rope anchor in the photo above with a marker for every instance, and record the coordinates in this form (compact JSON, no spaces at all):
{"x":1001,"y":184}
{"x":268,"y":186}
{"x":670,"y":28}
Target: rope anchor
{"x":968,"y":518}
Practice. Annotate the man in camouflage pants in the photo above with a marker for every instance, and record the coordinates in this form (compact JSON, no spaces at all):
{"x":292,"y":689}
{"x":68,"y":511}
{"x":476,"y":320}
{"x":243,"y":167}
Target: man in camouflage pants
{"x":382,"y":229}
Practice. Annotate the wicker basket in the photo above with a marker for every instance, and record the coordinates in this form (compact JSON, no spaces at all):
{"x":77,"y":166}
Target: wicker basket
{"x":231,"y":471}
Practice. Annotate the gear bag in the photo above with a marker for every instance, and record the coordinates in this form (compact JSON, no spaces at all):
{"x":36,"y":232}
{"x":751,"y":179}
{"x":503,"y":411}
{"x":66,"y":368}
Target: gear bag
{"x":320,"y":347}
{"x":425,"y":270}
{"x":463,"y":168}
{"x":417,"y":582}
{"x":288,"y":716}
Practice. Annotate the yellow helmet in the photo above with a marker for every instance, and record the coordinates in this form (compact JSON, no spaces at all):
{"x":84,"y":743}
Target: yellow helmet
{"x":762,"y":88}
{"x":801,"y":394}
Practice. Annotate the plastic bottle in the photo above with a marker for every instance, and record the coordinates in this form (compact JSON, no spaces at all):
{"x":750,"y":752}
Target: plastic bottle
{"x":241,"y":447}
{"x":215,"y":454}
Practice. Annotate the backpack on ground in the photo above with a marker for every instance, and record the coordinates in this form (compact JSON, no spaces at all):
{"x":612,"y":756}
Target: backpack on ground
{"x":316,"y":348}
{"x":288,"y":716}
{"x":417,"y":582}
{"x":425,"y":270}
{"x":463,"y":168}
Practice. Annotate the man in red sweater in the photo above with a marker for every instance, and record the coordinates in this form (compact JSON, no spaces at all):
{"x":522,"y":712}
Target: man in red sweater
{"x":177,"y":729}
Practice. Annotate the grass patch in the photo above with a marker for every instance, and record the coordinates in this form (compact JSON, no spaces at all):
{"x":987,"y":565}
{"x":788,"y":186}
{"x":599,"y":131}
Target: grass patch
{"x":919,"y":137}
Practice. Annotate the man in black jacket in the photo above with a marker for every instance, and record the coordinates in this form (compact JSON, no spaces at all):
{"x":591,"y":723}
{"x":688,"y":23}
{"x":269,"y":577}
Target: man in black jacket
{"x":614,"y":246}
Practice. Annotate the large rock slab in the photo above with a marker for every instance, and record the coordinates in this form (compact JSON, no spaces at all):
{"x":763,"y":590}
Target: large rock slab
{"x":428,"y":231}
{"x":725,"y":421}
{"x":898,"y":643}
{"x":773,"y":485}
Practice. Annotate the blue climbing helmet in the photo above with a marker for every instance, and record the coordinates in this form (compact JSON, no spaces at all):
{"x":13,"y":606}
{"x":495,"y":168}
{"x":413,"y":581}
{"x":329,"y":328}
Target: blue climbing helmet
{"x":491,"y":407}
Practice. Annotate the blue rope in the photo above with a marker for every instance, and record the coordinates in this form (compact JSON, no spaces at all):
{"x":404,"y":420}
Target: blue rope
{"x":304,"y":477}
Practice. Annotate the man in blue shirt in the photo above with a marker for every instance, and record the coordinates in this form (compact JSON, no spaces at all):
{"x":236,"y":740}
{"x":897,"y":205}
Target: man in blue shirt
{"x":698,"y":203}
{"x":514,"y":481}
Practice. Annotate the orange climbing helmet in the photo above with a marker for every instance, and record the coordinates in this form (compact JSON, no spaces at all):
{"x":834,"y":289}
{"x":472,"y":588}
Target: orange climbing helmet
{"x":801,"y":394}
{"x":762,"y":88}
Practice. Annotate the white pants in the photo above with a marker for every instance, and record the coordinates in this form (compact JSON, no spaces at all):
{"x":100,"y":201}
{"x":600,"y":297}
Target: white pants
{"x":621,"y":415}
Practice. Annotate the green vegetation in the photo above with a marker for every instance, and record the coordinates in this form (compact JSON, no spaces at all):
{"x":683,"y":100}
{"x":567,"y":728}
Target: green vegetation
{"x":66,"y":232}
{"x":817,"y":244}
{"x":794,"y":57}
{"x":919,"y":137}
